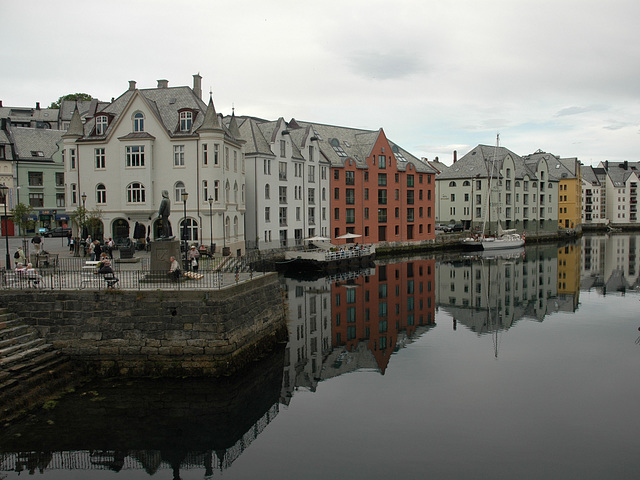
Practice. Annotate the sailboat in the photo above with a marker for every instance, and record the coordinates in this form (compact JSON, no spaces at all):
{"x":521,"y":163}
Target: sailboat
{"x":503,"y":239}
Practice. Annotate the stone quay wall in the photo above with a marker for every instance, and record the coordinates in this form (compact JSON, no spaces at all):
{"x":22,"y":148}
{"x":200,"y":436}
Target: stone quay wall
{"x":172,"y":333}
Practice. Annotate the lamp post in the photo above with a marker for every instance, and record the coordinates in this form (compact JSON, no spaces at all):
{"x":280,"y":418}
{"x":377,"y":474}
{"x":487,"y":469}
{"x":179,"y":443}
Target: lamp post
{"x":210,"y":200}
{"x":81,"y":229}
{"x":5,"y":190}
{"x":185,"y":195}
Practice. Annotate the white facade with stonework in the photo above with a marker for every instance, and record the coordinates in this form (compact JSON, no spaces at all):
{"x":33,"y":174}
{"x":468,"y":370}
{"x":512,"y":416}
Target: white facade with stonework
{"x":150,"y":140}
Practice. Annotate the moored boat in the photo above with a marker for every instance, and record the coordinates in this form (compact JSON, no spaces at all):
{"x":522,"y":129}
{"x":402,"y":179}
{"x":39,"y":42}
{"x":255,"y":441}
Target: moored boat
{"x":327,"y":257}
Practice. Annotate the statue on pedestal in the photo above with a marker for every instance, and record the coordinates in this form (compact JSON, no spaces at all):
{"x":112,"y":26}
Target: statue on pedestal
{"x":163,"y":213}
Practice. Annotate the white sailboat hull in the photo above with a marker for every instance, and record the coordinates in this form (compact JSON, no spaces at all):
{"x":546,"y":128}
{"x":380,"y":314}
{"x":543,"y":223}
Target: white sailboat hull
{"x":504,"y":242}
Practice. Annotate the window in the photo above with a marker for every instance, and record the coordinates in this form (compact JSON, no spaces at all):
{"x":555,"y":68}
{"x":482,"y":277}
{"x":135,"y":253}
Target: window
{"x":135,"y":156}
{"x":382,"y":179}
{"x":59,"y":179}
{"x":186,"y":118}
{"x":72,"y":158}
{"x":382,"y":215}
{"x":205,"y":154}
{"x":101,"y":194}
{"x":311,"y":196}
{"x":60,"y":200}
{"x":351,"y":215}
{"x":138,"y":122}
{"x":410,"y":197}
{"x":35,"y":179}
{"x":205,"y":190}
{"x":283,"y":216}
{"x":382,"y":161}
{"x":74,"y":193}
{"x":189,"y":229}
{"x":283,"y":148}
{"x":101,"y":124}
{"x":282,"y":194}
{"x":267,"y":191}
{"x":178,"y":155}
{"x":336,"y":214}
{"x":409,"y":180}
{"x":267,"y":166}
{"x":382,"y":196}
{"x":36,"y":199}
{"x":349,"y":178}
{"x":216,"y":154}
{"x":351,"y":196}
{"x":282,"y":170}
{"x":100,"y":158}
{"x":216,"y":190}
{"x":135,"y":193}
{"x":267,"y":214}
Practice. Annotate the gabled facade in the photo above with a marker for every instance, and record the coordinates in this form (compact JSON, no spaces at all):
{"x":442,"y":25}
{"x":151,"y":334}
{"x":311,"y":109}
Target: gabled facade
{"x":492,"y":185}
{"x":566,"y":171}
{"x":377,"y":189}
{"x":593,"y":197}
{"x":150,"y":140}
{"x":621,"y":192}
{"x":287,"y":184}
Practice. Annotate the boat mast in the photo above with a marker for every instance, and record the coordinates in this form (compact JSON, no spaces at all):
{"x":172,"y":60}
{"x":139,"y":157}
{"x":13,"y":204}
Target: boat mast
{"x":487,"y":212}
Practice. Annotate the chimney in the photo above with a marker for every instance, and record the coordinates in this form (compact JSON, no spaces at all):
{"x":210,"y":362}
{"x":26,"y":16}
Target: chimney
{"x":163,"y":83}
{"x":197,"y":85}
{"x":37,"y":105}
{"x":606,"y":165}
{"x":0,"y":103}
{"x":455,"y":156}
{"x":626,"y":164}
{"x":132,"y":84}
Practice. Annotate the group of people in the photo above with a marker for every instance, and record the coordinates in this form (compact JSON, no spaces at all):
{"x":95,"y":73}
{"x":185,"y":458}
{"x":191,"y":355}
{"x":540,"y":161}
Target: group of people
{"x":192,"y":257}
{"x":93,"y":248}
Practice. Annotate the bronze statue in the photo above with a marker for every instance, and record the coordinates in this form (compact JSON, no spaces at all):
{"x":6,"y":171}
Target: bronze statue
{"x":163,"y":213}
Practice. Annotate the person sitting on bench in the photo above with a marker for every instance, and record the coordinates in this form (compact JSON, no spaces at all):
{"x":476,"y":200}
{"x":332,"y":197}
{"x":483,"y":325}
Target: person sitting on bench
{"x":174,"y":269}
{"x":104,"y":269}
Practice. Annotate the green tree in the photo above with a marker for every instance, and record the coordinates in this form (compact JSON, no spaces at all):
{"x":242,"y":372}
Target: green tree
{"x":20,"y":216}
{"x":71,"y":96}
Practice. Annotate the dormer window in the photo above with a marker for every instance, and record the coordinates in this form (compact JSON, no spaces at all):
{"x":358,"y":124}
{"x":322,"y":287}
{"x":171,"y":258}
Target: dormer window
{"x":186,"y":118}
{"x":138,"y":122}
{"x":102,"y":122}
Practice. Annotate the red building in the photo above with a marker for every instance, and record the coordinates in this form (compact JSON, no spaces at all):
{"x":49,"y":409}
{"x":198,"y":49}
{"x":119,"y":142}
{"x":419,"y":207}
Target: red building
{"x":383,"y":309}
{"x":377,"y":189}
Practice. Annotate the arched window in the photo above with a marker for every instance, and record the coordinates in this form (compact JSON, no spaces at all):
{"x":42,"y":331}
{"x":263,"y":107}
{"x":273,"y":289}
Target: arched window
{"x":101,"y":194}
{"x":138,"y":122}
{"x":226,"y":192}
{"x":227,"y":227}
{"x":267,"y":192}
{"x":178,"y":189}
{"x":466,"y":183}
{"x":136,"y":193}
{"x":189,"y":229}
{"x":235,"y":227}
{"x":235,"y":192}
{"x":452,"y":183}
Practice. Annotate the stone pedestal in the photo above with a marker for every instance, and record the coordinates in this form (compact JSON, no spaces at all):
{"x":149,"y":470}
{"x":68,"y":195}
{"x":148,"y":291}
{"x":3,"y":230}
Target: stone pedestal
{"x":161,"y":250}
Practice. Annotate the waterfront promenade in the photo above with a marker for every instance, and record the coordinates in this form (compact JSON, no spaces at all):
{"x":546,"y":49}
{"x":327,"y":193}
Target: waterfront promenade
{"x":64,"y":271}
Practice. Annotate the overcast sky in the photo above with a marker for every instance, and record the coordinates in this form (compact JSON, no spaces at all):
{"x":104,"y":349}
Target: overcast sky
{"x":562,"y":76}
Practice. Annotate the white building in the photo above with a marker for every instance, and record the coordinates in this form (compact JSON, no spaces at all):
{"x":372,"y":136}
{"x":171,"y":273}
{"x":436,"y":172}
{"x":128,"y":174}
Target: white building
{"x":287,"y":184}
{"x":149,"y":140}
{"x":621,"y":192}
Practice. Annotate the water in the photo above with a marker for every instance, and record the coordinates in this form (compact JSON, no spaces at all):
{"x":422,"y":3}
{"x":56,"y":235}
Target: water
{"x":453,"y":367}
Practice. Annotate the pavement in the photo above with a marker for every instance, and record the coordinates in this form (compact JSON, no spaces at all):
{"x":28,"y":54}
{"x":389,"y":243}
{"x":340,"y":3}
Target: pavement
{"x":130,"y":272}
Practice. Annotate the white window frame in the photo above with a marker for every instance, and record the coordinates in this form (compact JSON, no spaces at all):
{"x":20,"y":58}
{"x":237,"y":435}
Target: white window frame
{"x":178,"y":155}
{"x":134,"y":156}
{"x":100,"y":162}
{"x":136,"y":193}
{"x":101,"y":194}
{"x":102,"y":122}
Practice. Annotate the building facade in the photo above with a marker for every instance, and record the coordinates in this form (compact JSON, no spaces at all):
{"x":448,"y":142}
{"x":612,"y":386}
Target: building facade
{"x":150,"y":140}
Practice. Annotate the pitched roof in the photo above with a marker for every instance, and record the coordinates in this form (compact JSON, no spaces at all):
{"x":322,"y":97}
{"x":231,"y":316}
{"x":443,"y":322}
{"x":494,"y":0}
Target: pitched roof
{"x":558,"y":169}
{"x":478,"y":163}
{"x":37,"y":144}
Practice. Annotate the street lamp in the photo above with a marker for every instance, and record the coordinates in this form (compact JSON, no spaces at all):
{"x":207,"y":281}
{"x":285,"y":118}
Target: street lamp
{"x":184,"y":196}
{"x":81,"y":228}
{"x":5,"y":190}
{"x":210,"y":200}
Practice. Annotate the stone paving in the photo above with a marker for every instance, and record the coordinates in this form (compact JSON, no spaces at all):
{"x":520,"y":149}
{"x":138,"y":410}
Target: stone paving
{"x":71,"y":272}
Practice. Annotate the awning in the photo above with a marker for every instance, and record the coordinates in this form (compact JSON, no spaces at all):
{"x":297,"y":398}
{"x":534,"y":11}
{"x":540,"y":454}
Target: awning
{"x":62,"y":216}
{"x":33,"y":217}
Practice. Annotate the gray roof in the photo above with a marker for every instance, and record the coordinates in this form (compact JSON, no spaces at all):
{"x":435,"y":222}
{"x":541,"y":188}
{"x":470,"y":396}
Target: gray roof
{"x":36,"y":144}
{"x":478,"y":162}
{"x":558,"y":169}
{"x":619,"y":172}
{"x":588,"y":174}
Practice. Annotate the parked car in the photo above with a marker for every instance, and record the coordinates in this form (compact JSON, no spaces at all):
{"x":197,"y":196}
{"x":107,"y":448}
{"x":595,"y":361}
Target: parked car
{"x":455,"y":227}
{"x":442,"y":228}
{"x":57,"y":232}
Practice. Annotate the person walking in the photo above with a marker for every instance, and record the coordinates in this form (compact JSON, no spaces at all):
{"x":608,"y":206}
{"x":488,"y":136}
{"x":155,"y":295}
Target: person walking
{"x":92,"y":251}
{"x":97,"y":249}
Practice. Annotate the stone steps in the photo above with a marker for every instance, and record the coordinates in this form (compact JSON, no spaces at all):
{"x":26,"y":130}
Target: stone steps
{"x":31,"y":371}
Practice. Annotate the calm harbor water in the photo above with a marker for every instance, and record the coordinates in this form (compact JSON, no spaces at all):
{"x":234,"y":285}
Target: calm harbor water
{"x":460,"y":367}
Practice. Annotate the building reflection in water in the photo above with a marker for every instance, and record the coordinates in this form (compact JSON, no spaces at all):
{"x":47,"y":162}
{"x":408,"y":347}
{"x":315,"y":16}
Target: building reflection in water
{"x":610,"y":262}
{"x":339,"y":324}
